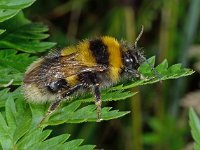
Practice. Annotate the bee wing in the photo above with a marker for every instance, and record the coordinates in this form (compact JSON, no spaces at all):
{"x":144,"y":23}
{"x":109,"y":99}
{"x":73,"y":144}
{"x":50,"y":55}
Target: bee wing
{"x":70,"y":66}
{"x":97,"y":68}
{"x":75,"y":69}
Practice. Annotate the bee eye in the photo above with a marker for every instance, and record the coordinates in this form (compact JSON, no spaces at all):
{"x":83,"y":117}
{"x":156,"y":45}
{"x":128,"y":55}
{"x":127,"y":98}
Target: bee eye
{"x":129,"y":60}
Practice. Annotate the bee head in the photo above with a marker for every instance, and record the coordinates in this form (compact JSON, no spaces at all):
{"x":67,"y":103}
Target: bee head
{"x":132,"y":59}
{"x":132,"y":56}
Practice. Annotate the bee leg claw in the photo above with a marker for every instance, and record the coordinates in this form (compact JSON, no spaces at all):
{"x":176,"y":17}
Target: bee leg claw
{"x":142,"y":77}
{"x":44,"y":118}
{"x":99,"y":120}
{"x":98,"y":104}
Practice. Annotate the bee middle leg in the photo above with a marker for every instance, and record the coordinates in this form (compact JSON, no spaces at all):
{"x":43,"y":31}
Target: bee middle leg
{"x":98,"y":101}
{"x":91,"y":80}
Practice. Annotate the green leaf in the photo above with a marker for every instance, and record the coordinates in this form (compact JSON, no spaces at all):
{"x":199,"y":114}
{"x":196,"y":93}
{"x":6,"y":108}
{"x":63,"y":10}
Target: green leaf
{"x":12,"y":60}
{"x":15,"y":125}
{"x":85,"y":147}
{"x":195,"y":127}
{"x":32,"y":138}
{"x":11,"y":66}
{"x":149,"y":76}
{"x":4,"y":96}
{"x":27,"y":46}
{"x":18,"y":21}
{"x":7,"y":14}
{"x":5,"y":138}
{"x":12,"y":4}
{"x":37,"y":139}
{"x":162,"y":68}
{"x":38,"y":111}
{"x":22,"y":127}
{"x":52,"y":143}
{"x":109,"y":95}
{"x":32,"y":31}
{"x":2,"y":31}
{"x":24,"y":36}
{"x":16,"y":131}
{"x":9,"y":75}
{"x":27,"y":38}
{"x":145,"y":68}
{"x":9,"y":8}
{"x":71,"y":114}
{"x":10,"y":113}
{"x":71,"y":144}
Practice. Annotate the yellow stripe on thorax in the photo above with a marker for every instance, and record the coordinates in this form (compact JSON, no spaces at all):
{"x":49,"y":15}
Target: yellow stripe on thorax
{"x":115,"y":58}
{"x":85,"y":55}
{"x":68,"y":50}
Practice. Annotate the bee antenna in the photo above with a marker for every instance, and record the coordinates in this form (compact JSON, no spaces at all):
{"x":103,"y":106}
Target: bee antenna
{"x":139,"y":36}
{"x":154,"y":70}
{"x":135,"y":45}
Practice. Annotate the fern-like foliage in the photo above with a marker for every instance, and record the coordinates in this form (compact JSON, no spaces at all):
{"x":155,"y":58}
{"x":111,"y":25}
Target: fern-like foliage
{"x":12,"y":67}
{"x":20,"y":43}
{"x":9,"y":9}
{"x":27,"y":39}
{"x":18,"y":132}
{"x":18,"y":34}
{"x":195,"y":128}
{"x":165,"y":72}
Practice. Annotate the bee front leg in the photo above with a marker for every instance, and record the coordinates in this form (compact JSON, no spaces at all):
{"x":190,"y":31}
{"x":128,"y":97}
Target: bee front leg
{"x":98,"y":101}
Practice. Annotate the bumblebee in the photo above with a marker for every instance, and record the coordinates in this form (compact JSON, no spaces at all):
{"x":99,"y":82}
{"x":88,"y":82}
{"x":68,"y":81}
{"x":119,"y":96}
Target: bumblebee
{"x":88,"y":66}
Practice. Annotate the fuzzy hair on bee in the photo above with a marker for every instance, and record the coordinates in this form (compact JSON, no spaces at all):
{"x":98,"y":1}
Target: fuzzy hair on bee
{"x":89,"y":66}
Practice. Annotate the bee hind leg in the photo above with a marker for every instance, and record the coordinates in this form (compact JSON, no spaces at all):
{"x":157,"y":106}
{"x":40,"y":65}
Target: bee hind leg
{"x":55,"y":104}
{"x":51,"y":109}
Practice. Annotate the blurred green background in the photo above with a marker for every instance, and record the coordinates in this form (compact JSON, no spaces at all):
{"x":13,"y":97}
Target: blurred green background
{"x":159,"y":113}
